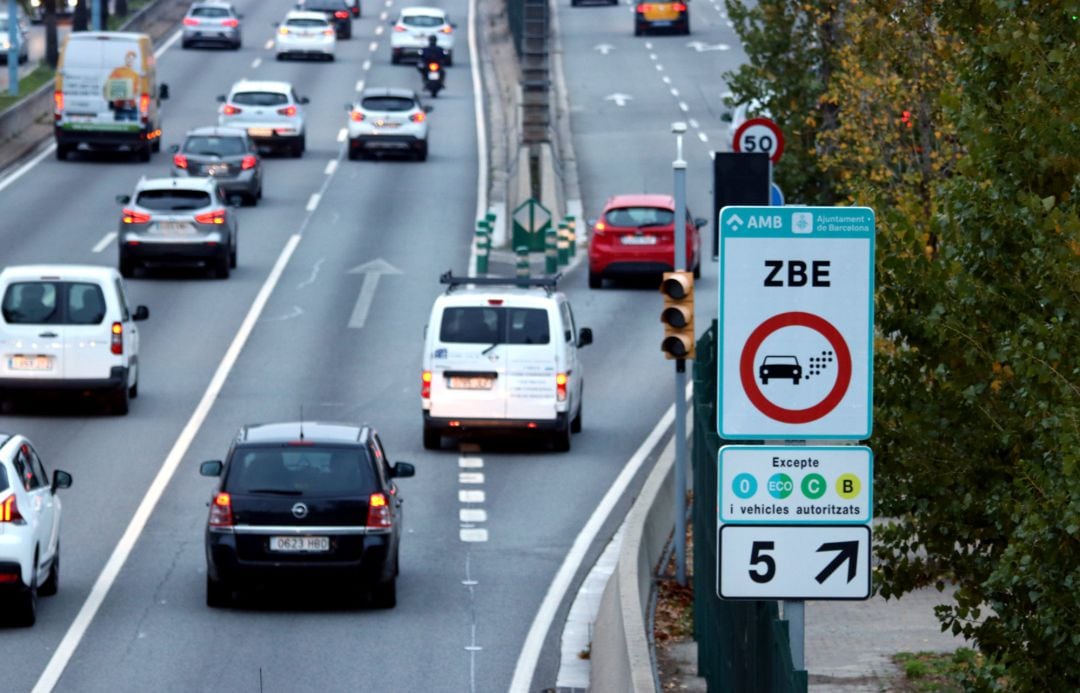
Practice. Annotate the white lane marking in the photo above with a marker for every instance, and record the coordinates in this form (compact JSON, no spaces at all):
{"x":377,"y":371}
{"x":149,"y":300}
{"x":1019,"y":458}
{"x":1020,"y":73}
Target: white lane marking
{"x":675,"y":92}
{"x":534,"y":641}
{"x":470,"y":496}
{"x":665,"y":79}
{"x":481,"y":131}
{"x":703,"y":137}
{"x":25,"y":168}
{"x":683,"y":106}
{"x":124,"y":547}
{"x":473,"y":535}
{"x":342,"y":134}
{"x":470,"y":462}
{"x":366,"y":65}
{"x":383,"y":16}
{"x":331,"y":166}
{"x":470,"y":477}
{"x":256,"y":62}
{"x":269,"y":44}
{"x":648,"y":45}
{"x":389,"y":3}
{"x":693,"y":123}
{"x":373,"y":46}
{"x":653,"y":56}
{"x":168,"y":44}
{"x":379,"y":30}
{"x":472,"y":515}
{"x":659,"y":67}
{"x":105,"y":241}
{"x":359,"y":85}
{"x":313,"y":202}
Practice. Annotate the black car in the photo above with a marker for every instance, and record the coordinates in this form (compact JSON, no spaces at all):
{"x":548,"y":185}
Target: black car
{"x":337,"y":13}
{"x":304,"y":499}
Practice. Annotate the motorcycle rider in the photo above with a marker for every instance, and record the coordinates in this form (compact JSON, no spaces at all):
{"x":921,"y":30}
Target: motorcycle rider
{"x":432,"y":53}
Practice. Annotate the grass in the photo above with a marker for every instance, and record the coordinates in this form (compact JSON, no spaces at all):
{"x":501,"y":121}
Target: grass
{"x":934,"y":672}
{"x":27,"y":85}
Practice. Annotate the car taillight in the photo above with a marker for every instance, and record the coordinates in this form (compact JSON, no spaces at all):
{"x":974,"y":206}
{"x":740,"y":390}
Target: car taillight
{"x":418,"y":117}
{"x":600,"y":228}
{"x":229,"y":109}
{"x":328,"y":32}
{"x":215,"y":217}
{"x":9,"y":510}
{"x":342,"y":14}
{"x":248,"y":162}
{"x":58,"y":104}
{"x":644,"y":8}
{"x":191,"y":21}
{"x":425,"y":385}
{"x":378,"y":514}
{"x":283,"y":30}
{"x":179,"y":161}
{"x":356,"y":116}
{"x":679,"y":7}
{"x":221,"y":511}
{"x":144,"y":105}
{"x":434,"y":67}
{"x":116,"y":344}
{"x":231,"y":23}
{"x":287,"y":111}
{"x":560,"y":386}
{"x":447,"y":29}
{"x":130,"y":216}
{"x":399,"y":28}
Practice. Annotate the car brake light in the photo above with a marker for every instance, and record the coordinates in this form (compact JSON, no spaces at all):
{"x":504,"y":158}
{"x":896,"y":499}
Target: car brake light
{"x":356,"y":116}
{"x":644,"y":8}
{"x":447,"y":29}
{"x":248,"y":162}
{"x":6,"y":578}
{"x":217,"y":216}
{"x":58,"y":104}
{"x":287,"y":111}
{"x":116,"y":345}
{"x":9,"y":510}
{"x":328,"y":32}
{"x":231,"y":23}
{"x":144,"y":105}
{"x":179,"y":161}
{"x":130,"y":216}
{"x":378,"y":514}
{"x":434,"y":67}
{"x":600,"y":227}
{"x":495,"y":301}
{"x":418,"y":117}
{"x":342,"y":14}
{"x":229,"y":109}
{"x":425,"y":385}
{"x":399,"y":28}
{"x":679,"y":7}
{"x":560,"y":386}
{"x":221,"y":511}
{"x":191,"y":21}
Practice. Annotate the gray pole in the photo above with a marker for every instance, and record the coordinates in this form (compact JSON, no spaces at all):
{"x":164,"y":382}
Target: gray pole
{"x":679,"y":167}
{"x":96,"y":20}
{"x":795,"y":614}
{"x":13,"y":49}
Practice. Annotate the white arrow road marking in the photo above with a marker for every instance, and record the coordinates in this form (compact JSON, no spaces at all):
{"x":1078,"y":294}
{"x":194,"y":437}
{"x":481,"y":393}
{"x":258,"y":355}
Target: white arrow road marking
{"x":372,"y":271}
{"x":604,"y":48}
{"x":105,"y":241}
{"x":619,"y":99}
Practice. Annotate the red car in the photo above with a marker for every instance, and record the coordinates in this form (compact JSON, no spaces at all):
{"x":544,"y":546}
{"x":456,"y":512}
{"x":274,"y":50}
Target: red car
{"x":635,"y":235}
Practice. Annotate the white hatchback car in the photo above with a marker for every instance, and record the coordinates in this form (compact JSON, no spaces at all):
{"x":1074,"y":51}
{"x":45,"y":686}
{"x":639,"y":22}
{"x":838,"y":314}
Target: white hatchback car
{"x":305,"y":34}
{"x":413,"y":27}
{"x":388,"y":120}
{"x":29,"y":528}
{"x":271,"y":112}
{"x":69,"y":328}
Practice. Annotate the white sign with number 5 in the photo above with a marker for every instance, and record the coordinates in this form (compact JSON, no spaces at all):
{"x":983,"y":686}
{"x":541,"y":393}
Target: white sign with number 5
{"x":759,"y":135}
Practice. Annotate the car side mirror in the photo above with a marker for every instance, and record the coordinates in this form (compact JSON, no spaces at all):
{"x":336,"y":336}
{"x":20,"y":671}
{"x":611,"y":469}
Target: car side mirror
{"x":211,"y":468}
{"x":221,"y":98}
{"x":60,"y":479}
{"x":163,"y":92}
{"x":401,"y":470}
{"x":304,"y":99}
{"x":453,"y":25}
{"x":428,"y":109}
{"x":123,"y":199}
{"x":725,"y":117}
{"x":141,"y":313}
{"x":701,"y":221}
{"x":584,"y":337}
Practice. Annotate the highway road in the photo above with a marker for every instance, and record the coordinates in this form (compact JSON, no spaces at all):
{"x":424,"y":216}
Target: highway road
{"x":276,"y":337}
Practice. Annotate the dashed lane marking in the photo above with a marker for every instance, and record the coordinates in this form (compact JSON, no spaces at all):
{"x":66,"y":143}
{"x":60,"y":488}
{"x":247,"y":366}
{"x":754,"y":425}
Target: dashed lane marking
{"x":373,"y":46}
{"x":359,"y":85}
{"x":366,"y":65}
{"x":105,"y":241}
{"x":703,"y":137}
{"x":383,"y":16}
{"x":342,"y":134}
{"x":313,"y":202}
{"x":473,"y":535}
{"x":693,"y":123}
{"x":470,"y":496}
{"x":379,"y":30}
{"x":470,"y":477}
{"x":331,"y":166}
{"x":684,"y":107}
{"x":675,"y":92}
{"x":472,"y":515}
{"x":470,"y":462}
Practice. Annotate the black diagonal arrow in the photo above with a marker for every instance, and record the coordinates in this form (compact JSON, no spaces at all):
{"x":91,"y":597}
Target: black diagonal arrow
{"x":849,"y":551}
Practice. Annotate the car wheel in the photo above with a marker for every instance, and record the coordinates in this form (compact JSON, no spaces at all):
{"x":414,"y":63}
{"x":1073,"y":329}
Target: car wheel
{"x":232,"y":256}
{"x":384,"y":595}
{"x":638,"y":31}
{"x":133,"y":391}
{"x":237,"y":45}
{"x":421,"y":152}
{"x":279,"y":56}
{"x":395,"y":59}
{"x":449,"y":58}
{"x":697,"y":270}
{"x":142,"y":154}
{"x":120,"y":401}
{"x":560,"y":439}
{"x":218,"y":593}
{"x":432,"y":438}
{"x":62,"y":151}
{"x":185,"y":44}
{"x":575,"y":423}
{"x":258,"y":194}
{"x":221,"y":267}
{"x":155,"y":146}
{"x":127,"y":267}
{"x":26,"y":602}
{"x":595,"y":280}
{"x":354,"y":152}
{"x":52,"y":583}
{"x":298,"y":148}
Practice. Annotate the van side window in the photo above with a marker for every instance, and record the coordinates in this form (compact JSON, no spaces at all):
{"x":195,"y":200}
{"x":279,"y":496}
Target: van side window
{"x":569,"y":329}
{"x":125,"y":314}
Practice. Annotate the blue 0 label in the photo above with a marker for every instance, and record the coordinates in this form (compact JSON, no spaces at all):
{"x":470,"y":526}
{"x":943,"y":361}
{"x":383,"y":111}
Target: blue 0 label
{"x":744,"y":485}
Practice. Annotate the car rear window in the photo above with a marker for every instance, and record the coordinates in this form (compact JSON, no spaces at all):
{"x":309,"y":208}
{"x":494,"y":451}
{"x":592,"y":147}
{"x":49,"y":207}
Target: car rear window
{"x":4,"y":484}
{"x":270,"y":98}
{"x":302,"y":470}
{"x":212,"y":12}
{"x":494,"y":325}
{"x":422,"y":20}
{"x":173,"y":200}
{"x":53,"y":303}
{"x":387,"y":103}
{"x":215,"y":146}
{"x":325,"y":5}
{"x":304,"y":23}
{"x":639,"y":216}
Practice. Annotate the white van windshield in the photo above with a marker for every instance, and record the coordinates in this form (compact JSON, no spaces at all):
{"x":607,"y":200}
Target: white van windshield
{"x":494,"y":325}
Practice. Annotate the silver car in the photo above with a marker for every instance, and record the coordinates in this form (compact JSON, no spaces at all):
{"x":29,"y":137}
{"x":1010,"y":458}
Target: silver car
{"x":225,"y":154}
{"x":388,"y":120}
{"x":270,"y":112}
{"x":177,"y":221}
{"x":216,"y":23}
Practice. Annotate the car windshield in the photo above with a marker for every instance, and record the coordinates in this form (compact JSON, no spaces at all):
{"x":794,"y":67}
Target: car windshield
{"x":305,"y":23}
{"x":640,"y":216}
{"x":387,"y":103}
{"x":781,"y":361}
{"x":266,"y":98}
{"x":494,"y":325}
{"x":210,"y":12}
{"x":53,"y":303}
{"x":215,"y":146}
{"x":173,"y":200}
{"x":425,"y":21}
{"x":310,"y":471}
{"x":325,"y":5}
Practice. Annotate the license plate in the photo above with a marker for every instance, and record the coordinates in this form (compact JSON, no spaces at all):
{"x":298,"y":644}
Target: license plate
{"x":638,"y":240}
{"x":217,"y":169}
{"x":260,"y":132}
{"x":300,"y":544}
{"x":386,"y":124}
{"x":38,"y":362}
{"x":474,"y":382}
{"x":175,"y":228}
{"x":433,"y":74}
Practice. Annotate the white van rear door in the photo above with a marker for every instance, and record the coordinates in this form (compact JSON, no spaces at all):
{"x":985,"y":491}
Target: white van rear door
{"x":531,"y":364}
{"x":102,"y":83}
{"x":31,"y":336}
{"x":467,"y":364}
{"x":88,"y":333}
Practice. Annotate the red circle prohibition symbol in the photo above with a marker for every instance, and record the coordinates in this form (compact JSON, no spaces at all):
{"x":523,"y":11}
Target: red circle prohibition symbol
{"x":843,"y":367}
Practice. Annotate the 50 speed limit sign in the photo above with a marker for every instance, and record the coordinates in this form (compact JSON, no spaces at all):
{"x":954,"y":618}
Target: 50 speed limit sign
{"x":759,"y":135}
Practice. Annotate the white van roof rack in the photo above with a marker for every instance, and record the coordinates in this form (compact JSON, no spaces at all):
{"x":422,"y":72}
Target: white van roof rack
{"x":547,"y":282}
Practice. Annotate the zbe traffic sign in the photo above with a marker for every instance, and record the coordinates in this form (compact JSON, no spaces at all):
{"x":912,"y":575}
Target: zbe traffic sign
{"x":796,"y":322}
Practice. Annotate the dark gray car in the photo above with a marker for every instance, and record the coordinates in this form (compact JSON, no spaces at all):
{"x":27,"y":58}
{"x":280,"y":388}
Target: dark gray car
{"x":225,"y":154}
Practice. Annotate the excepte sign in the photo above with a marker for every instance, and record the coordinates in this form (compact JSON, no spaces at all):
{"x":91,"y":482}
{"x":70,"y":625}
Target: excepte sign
{"x":761,"y":484}
{"x":796,"y":322}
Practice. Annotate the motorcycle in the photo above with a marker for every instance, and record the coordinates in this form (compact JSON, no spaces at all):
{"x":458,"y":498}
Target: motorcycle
{"x":433,"y":77}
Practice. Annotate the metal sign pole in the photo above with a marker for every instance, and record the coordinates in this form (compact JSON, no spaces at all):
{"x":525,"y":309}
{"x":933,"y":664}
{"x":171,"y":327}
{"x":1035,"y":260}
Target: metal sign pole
{"x":679,"y":166}
{"x":795,"y":615}
{"x":96,"y":20}
{"x":13,"y":49}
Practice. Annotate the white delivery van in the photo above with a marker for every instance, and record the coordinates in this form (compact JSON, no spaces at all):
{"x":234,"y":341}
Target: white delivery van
{"x":501,"y":354}
{"x":107,"y":95}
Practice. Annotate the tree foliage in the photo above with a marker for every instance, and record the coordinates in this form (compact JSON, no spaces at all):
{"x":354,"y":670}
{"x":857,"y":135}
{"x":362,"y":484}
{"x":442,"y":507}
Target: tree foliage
{"x":958,"y":123}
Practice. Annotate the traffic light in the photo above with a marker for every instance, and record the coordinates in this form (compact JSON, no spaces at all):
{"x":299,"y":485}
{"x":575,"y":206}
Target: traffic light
{"x":678,"y":315}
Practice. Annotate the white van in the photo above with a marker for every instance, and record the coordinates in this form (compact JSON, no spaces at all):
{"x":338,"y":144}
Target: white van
{"x":68,"y":327}
{"x":500,"y":354}
{"x":107,"y":95}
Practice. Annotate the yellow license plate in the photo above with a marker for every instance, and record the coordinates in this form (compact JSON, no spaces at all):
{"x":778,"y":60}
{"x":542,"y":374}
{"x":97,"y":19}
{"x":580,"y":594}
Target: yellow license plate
{"x":38,"y":362}
{"x":661,"y":11}
{"x":260,"y":132}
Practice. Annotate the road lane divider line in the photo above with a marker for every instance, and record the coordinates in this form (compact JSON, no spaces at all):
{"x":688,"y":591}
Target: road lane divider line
{"x":342,"y":134}
{"x":359,"y":85}
{"x":684,"y":107}
{"x":675,"y":92}
{"x":654,"y":57}
{"x":665,"y":79}
{"x":471,"y":462}
{"x":470,"y":477}
{"x":473,"y":535}
{"x":659,"y":67}
{"x":703,"y":137}
{"x":366,"y":65}
{"x":105,"y":241}
{"x":383,"y":16}
{"x":373,"y":46}
{"x":168,"y":43}
{"x":331,"y":166}
{"x":269,"y":44}
{"x":693,"y":123}
{"x":105,"y":580}
{"x":256,"y":62}
{"x":470,"y":496}
{"x":313,"y":202}
{"x":472,"y":515}
{"x":379,"y":29}
{"x":479,"y":116}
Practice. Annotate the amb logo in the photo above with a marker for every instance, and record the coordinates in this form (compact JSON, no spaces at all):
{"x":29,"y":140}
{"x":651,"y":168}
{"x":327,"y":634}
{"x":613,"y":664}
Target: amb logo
{"x":774,"y":222}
